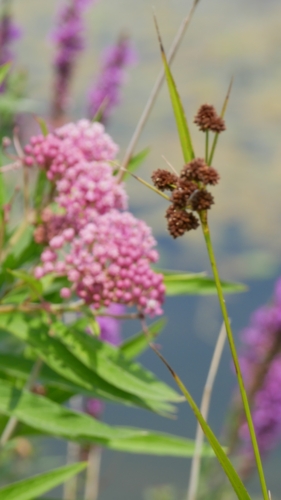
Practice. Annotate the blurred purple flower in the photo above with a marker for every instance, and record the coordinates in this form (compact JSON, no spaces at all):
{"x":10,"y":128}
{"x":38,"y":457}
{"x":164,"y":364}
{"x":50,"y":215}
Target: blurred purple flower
{"x":9,"y":32}
{"x":105,"y":94}
{"x":70,"y":42}
{"x":110,"y":332}
{"x":261,"y":367}
{"x":266,"y":411}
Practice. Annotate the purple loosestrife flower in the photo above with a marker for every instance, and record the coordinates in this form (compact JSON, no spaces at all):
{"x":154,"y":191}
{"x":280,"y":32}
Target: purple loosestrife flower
{"x":110,"y":331}
{"x":69,"y":40}
{"x":105,"y":94}
{"x":261,"y":366}
{"x":9,"y":32}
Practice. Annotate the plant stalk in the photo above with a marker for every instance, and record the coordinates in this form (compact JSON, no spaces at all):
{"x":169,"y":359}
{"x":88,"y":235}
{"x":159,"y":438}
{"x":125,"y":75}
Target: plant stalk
{"x":206,"y":146}
{"x":160,"y":79}
{"x":207,"y":236}
{"x":93,"y":472}
{"x":204,"y":408}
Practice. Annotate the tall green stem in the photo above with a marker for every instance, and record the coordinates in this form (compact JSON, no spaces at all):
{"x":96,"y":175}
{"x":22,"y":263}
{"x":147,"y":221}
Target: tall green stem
{"x":207,"y":236}
{"x":207,"y":146}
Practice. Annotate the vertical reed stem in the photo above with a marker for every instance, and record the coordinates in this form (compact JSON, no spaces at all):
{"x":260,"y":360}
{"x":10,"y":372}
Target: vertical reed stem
{"x":206,"y":233}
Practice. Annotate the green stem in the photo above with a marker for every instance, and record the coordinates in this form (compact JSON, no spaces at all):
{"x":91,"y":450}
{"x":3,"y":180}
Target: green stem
{"x":2,"y":231}
{"x":210,"y":159}
{"x":25,"y":193}
{"x":206,"y":146}
{"x":206,"y":232}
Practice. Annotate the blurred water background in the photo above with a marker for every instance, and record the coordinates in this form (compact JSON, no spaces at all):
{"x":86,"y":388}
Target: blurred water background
{"x":225,"y":39}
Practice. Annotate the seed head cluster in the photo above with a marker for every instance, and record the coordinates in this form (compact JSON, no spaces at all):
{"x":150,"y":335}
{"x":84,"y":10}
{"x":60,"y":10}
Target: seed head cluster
{"x":208,"y":119}
{"x":189,"y":194}
{"x":103,"y":250}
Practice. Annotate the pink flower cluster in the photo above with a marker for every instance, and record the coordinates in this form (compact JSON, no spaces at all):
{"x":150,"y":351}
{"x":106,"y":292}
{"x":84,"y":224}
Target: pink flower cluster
{"x":104,"y":252}
{"x":67,"y":145}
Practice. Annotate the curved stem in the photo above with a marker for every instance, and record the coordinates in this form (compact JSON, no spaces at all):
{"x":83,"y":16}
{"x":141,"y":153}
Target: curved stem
{"x":207,"y":236}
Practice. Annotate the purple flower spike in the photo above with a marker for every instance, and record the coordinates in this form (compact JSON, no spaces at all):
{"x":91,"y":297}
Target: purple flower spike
{"x":69,"y":40}
{"x":9,"y":32}
{"x":105,"y":94}
{"x":261,"y":367}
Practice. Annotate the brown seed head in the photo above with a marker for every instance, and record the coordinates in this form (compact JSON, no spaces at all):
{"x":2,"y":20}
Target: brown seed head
{"x":202,"y":200}
{"x":198,"y":171}
{"x":180,"y":221}
{"x":182,"y":192}
{"x":210,"y":176}
{"x":162,"y":179}
{"x":208,"y":119}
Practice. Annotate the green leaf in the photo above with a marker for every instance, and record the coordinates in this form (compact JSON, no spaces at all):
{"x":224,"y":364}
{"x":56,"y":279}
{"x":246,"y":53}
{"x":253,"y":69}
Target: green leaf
{"x":106,"y":361}
{"x":2,"y":194}
{"x":34,"y":284}
{"x":34,"y":486}
{"x":197,"y":284}
{"x":227,"y":466}
{"x":65,"y":363}
{"x":159,"y":444}
{"x":53,"y":419}
{"x":43,"y":125}
{"x":136,"y":161}
{"x":134,"y":346}
{"x":4,"y":70}
{"x":41,"y":186}
{"x":61,"y":389}
{"x":180,"y":118}
{"x":24,"y":251}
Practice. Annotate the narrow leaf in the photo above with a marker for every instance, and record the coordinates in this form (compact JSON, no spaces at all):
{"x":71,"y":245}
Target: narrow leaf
{"x":53,"y":419}
{"x":227,"y":466}
{"x":34,"y":284}
{"x":134,"y":346}
{"x":181,"y":122}
{"x":34,"y":486}
{"x":65,"y":363}
{"x":197,"y":284}
{"x":106,"y":361}
{"x":43,"y":125}
{"x":151,"y":443}
{"x":60,"y":389}
{"x":4,"y":70}
{"x":136,"y":161}
{"x":42,"y":184}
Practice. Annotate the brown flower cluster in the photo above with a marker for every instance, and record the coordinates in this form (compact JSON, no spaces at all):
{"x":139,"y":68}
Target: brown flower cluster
{"x":208,"y":119}
{"x":189,"y":194}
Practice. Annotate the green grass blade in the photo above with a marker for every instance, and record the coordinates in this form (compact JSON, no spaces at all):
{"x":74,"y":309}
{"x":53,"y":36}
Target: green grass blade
{"x":4,"y":70}
{"x":181,"y":122}
{"x":43,"y":125}
{"x":135,"y":345}
{"x":216,"y":137}
{"x":238,"y":486}
{"x":30,"y":488}
{"x":136,"y":161}
{"x":197,"y":284}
